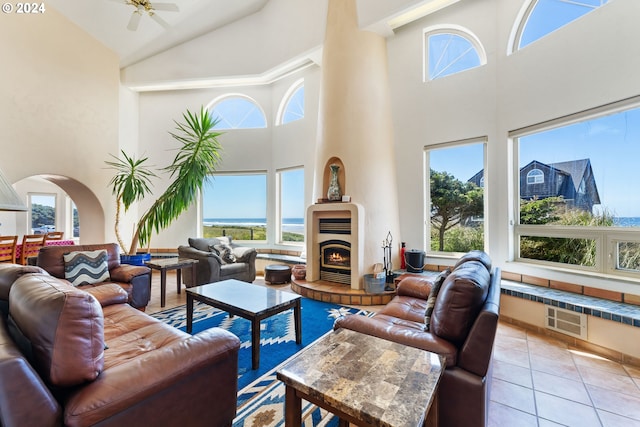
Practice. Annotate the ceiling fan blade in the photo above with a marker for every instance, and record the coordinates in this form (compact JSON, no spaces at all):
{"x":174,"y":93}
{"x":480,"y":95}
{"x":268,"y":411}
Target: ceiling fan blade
{"x":134,"y":21}
{"x":167,"y":7}
{"x":159,"y":20}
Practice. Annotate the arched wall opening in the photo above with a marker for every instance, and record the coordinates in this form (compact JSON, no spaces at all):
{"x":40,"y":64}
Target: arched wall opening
{"x":90,"y":211}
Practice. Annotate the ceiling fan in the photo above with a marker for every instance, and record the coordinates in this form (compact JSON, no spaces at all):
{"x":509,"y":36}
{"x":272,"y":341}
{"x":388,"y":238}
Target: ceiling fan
{"x":145,"y":6}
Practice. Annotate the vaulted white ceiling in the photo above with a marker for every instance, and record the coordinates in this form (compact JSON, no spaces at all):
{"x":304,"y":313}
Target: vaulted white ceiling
{"x":107,"y":20}
{"x":196,"y":41}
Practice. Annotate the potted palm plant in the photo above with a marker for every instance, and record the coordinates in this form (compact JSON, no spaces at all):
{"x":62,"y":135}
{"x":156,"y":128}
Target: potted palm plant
{"x":197,"y":157}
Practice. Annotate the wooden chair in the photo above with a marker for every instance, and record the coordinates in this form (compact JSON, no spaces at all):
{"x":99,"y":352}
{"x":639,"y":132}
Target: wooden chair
{"x":8,"y":248}
{"x":31,"y":244}
{"x":54,"y":235}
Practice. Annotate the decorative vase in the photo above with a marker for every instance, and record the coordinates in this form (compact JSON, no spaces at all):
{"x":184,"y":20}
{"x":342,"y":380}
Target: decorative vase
{"x":299,"y":271}
{"x":334,"y":193}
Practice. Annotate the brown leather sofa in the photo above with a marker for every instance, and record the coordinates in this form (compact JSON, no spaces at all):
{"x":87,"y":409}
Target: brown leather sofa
{"x":463,"y":329}
{"x":136,"y":280}
{"x":73,"y":358}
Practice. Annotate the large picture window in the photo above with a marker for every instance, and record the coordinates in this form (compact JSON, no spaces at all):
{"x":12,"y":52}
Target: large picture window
{"x":455,"y":208}
{"x":235,"y":205}
{"x":291,"y":205}
{"x":579,"y":209}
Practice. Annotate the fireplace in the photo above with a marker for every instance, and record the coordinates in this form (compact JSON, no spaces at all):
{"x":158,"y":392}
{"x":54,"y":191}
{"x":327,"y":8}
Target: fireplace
{"x":335,"y":261}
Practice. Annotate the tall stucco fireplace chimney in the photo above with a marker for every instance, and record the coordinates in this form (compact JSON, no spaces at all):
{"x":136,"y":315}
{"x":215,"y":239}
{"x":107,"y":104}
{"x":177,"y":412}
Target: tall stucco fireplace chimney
{"x":355,"y":132}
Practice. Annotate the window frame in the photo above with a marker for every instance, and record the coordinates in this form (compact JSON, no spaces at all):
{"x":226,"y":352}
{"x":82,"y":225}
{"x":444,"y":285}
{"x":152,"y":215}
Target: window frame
{"x":279,"y":209}
{"x":218,"y":100}
{"x":606,"y":238}
{"x":286,"y":101}
{"x":483,"y":140}
{"x":522,"y":19}
{"x":263,"y":173}
{"x":449,"y":29}
{"x":30,"y":196}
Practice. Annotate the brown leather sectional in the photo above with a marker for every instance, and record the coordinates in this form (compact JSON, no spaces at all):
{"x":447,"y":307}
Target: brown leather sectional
{"x":463,"y":329}
{"x":73,"y":358}
{"x":135,"y":280}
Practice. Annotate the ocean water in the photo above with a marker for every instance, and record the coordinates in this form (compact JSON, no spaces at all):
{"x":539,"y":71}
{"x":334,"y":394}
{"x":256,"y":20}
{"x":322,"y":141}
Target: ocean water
{"x":249,"y":221}
{"x":627,"y":221}
{"x":292,"y":225}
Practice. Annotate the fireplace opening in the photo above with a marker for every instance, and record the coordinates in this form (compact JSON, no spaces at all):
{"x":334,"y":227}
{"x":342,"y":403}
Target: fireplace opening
{"x":335,"y":261}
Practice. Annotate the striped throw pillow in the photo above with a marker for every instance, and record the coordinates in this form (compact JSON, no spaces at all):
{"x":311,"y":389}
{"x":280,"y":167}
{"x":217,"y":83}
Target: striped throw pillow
{"x":86,"y":268}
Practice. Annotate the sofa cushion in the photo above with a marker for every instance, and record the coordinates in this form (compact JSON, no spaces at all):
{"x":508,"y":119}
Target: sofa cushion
{"x":433,"y":294}
{"x":205,"y":244}
{"x":225,"y":252}
{"x":63,"y":327}
{"x":459,"y":301}
{"x":86,"y":267}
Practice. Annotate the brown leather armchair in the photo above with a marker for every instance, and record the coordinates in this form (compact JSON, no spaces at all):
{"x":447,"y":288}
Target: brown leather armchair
{"x":135,"y":280}
{"x":463,"y":328}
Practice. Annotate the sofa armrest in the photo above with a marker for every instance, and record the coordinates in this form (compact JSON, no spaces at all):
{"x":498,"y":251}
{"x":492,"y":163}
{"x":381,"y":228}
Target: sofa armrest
{"x":245,"y":254}
{"x":136,"y":280}
{"x":401,"y":331}
{"x":108,"y":294}
{"x":24,"y":398}
{"x":207,"y":269}
{"x":165,"y":386}
{"x":416,"y":287}
{"x":125,"y":272}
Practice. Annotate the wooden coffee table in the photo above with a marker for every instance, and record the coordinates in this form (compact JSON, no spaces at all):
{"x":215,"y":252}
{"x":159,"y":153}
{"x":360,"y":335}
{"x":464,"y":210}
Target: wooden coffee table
{"x":363,"y":380}
{"x":249,"y":301}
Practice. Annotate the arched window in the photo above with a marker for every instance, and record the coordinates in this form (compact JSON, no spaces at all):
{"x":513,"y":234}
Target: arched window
{"x":540,"y":17}
{"x":535,"y":176}
{"x":449,"y":50}
{"x":292,"y":104}
{"x":237,"y":112}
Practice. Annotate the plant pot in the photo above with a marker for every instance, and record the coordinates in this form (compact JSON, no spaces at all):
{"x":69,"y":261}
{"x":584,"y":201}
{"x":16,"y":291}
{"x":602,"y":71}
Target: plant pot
{"x":137,"y":259}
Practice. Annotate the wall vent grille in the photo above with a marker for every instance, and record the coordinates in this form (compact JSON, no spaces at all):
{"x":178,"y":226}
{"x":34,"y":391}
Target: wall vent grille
{"x":566,"y":321}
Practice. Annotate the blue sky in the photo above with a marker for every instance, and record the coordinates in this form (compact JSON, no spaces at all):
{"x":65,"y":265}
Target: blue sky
{"x":244,"y":196}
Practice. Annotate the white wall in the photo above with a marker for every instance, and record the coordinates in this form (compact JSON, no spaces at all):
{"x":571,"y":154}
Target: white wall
{"x":59,"y":110}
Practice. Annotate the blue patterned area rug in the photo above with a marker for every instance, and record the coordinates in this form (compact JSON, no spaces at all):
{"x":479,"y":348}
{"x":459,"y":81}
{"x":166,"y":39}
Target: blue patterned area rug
{"x":261,"y":394}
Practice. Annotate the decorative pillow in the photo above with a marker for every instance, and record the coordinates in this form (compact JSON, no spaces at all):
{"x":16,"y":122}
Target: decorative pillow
{"x":431,"y":301}
{"x":86,"y":268}
{"x":225,"y":252}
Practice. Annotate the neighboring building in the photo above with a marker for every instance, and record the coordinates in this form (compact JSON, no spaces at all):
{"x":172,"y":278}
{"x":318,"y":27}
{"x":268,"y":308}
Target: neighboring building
{"x":572,"y":180}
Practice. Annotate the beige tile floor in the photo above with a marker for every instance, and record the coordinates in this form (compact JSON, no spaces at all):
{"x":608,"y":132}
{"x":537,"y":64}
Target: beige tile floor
{"x":537,"y":381}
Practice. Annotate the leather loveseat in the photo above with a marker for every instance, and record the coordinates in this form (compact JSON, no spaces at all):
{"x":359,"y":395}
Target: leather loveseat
{"x":73,"y":358}
{"x":135,"y":280}
{"x":462,"y":328}
{"x":212,"y":267}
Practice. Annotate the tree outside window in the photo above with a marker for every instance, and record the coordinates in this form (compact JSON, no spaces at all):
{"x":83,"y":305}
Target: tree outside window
{"x":456,"y":200}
